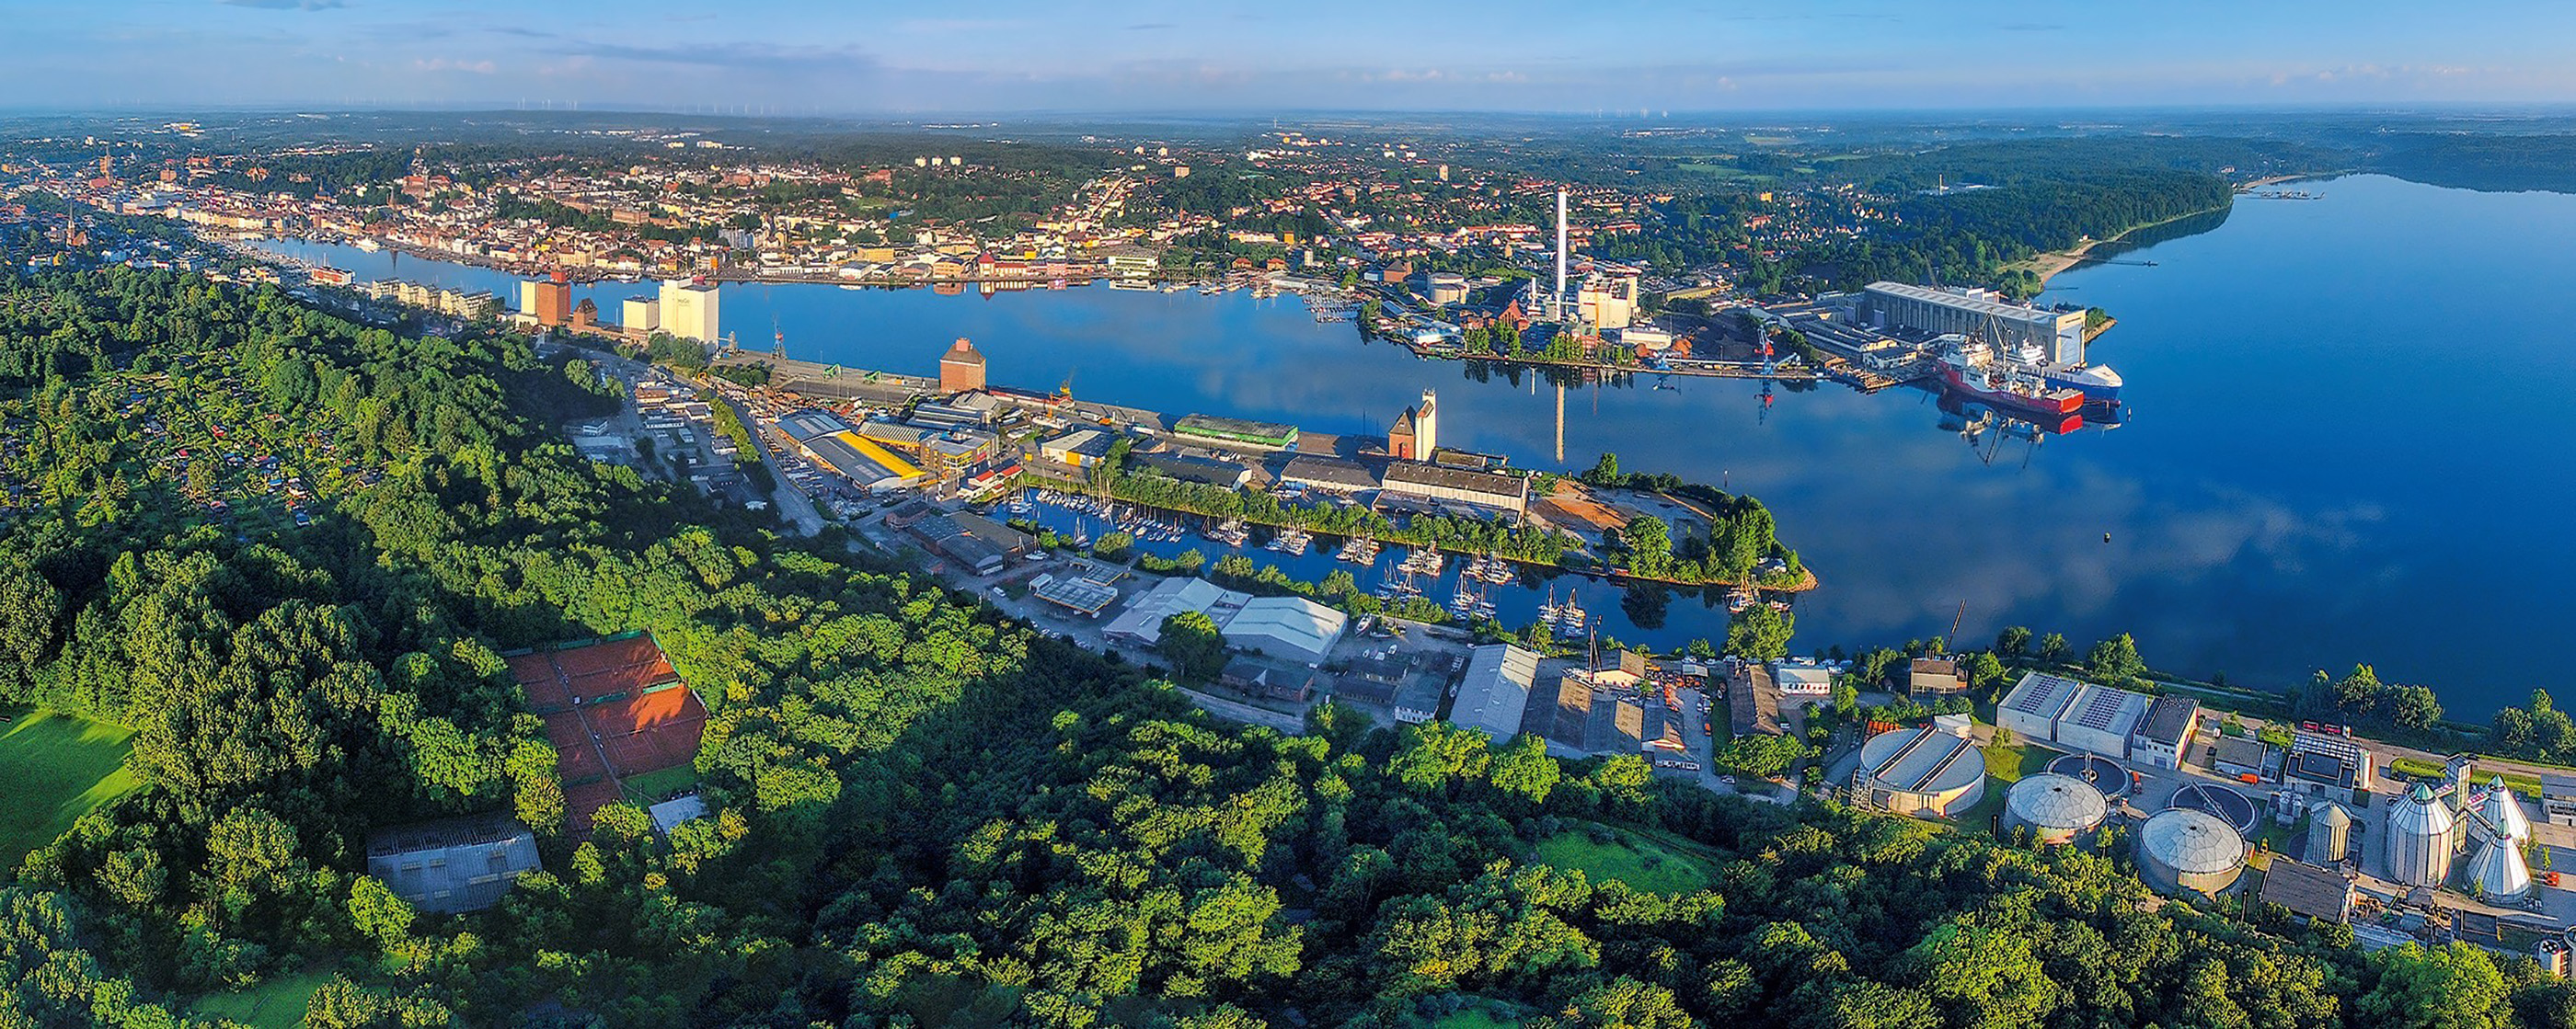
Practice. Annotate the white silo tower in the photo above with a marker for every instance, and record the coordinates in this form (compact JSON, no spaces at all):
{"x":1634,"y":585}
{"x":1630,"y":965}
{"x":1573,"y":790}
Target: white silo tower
{"x":2329,"y":834}
{"x":2419,"y":839}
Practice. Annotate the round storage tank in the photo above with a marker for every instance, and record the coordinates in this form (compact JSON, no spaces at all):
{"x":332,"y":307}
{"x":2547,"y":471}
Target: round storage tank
{"x":2055,"y":808}
{"x":2185,"y":849}
{"x":2419,"y":839}
{"x":1920,"y":771}
{"x":2329,"y":834}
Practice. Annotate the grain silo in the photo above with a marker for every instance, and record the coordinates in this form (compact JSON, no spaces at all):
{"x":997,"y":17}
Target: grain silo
{"x":2329,"y":834}
{"x":2419,"y":839}
{"x":2055,"y":808}
{"x":2503,"y":811}
{"x":2497,"y":870}
{"x":2186,"y":849}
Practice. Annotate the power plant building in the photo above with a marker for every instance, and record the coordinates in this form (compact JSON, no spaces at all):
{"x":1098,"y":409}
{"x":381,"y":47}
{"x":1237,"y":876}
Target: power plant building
{"x":1978,"y":313}
{"x":2188,"y":850}
{"x":2054,"y":808}
{"x":1920,"y":772}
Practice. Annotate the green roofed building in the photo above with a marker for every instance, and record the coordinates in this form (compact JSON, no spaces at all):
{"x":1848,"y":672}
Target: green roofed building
{"x":1237,"y":432}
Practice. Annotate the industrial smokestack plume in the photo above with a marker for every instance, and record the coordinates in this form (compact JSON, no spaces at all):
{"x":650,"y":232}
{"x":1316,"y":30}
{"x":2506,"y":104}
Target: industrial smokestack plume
{"x":1558,"y":304}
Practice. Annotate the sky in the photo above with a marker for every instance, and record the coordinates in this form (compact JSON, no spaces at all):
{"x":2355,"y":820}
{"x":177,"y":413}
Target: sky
{"x":993,"y":56}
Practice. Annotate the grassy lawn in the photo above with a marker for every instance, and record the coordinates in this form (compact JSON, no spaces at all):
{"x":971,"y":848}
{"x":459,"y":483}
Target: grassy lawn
{"x":1640,"y":862}
{"x":58,"y":767}
{"x":2525,"y":785}
{"x":2008,"y":762}
{"x":276,"y":1004}
{"x":2005,"y":765}
{"x":651,"y":787}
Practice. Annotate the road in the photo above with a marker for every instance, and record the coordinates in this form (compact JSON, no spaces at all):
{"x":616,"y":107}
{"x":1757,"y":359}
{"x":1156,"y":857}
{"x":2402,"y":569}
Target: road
{"x":793,"y":505}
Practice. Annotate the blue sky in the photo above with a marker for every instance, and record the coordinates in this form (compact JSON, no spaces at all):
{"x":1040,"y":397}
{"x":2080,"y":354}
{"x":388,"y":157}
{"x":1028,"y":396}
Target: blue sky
{"x":1157,"y":55}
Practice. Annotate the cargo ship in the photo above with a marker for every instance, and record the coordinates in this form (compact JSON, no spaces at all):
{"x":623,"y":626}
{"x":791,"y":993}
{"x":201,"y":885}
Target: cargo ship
{"x":2099,"y":384}
{"x":1971,"y":371}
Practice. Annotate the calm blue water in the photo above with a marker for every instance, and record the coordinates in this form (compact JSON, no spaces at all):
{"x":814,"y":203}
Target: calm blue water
{"x":2347,"y":441}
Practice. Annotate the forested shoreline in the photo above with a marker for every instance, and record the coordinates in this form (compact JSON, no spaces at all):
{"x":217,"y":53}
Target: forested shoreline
{"x":923,"y":814}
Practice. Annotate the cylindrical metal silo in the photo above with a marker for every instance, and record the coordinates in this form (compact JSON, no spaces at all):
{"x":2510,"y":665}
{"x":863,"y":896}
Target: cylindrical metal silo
{"x":2329,"y":833}
{"x":2420,"y":840}
{"x":2055,"y":808}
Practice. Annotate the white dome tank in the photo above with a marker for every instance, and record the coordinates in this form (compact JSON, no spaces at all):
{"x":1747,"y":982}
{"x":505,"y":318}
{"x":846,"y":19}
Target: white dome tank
{"x":2055,"y":808}
{"x":2187,"y":849}
{"x":2419,"y":839}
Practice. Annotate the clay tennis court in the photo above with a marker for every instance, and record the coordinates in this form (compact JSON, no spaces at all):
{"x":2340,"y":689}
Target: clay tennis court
{"x":612,"y":710}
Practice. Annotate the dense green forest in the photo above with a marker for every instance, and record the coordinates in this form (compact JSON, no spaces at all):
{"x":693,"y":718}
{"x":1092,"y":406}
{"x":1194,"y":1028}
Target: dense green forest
{"x":924,"y":814}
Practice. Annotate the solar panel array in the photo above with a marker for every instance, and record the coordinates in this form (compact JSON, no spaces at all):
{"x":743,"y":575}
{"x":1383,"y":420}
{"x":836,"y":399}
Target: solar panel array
{"x":2046,"y":694}
{"x":2100,"y":710}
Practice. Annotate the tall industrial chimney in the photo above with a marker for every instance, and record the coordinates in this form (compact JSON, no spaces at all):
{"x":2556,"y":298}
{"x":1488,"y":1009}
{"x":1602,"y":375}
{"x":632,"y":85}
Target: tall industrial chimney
{"x":1556,"y":305}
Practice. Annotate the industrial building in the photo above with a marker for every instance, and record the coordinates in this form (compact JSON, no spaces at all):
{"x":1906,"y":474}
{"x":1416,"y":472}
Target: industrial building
{"x":1416,"y":433}
{"x":1079,"y":448}
{"x":1074,"y":593}
{"x":1236,"y":432}
{"x":962,"y":368}
{"x":972,"y":540}
{"x":1329,"y":474}
{"x":2074,"y":715}
{"x":1262,"y":680}
{"x":640,"y":314}
{"x":1920,"y":772}
{"x":452,"y":864}
{"x":1418,"y":701}
{"x":2309,"y":890}
{"x":2165,"y":731}
{"x":1606,"y":301}
{"x":1201,"y":470}
{"x":1979,"y":313}
{"x":1444,"y":288}
{"x":1587,"y":715}
{"x":2186,"y":850}
{"x":1288,"y":627}
{"x":2326,"y":762}
{"x":827,"y":440}
{"x":1455,"y":485}
{"x":1493,"y":695}
{"x":689,"y":309}
{"x":2054,"y":808}
{"x":1753,"y":701}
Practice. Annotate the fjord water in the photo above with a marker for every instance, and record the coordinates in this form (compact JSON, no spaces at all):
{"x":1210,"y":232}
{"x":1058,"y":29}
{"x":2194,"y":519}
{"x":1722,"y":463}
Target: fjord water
{"x":2348,"y":441}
